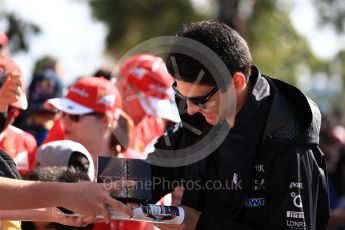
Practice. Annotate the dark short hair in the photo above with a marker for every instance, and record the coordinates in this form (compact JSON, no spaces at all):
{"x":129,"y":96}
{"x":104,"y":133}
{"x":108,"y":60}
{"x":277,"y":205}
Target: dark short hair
{"x":103,"y":73}
{"x":227,"y":44}
{"x":57,"y":174}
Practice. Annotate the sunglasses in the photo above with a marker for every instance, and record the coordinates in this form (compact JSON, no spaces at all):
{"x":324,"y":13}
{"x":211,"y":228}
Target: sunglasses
{"x":200,"y":101}
{"x":76,"y":117}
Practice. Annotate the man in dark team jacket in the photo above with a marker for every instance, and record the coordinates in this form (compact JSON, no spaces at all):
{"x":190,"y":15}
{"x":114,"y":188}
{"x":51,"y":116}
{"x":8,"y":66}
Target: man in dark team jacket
{"x":268,"y":172}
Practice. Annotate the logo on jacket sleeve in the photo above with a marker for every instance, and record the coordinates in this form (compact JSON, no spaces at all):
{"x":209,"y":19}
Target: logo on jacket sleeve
{"x":255,"y":202}
{"x":296,"y":185}
{"x":235,"y":178}
{"x":295,"y":215}
{"x":296,"y":225}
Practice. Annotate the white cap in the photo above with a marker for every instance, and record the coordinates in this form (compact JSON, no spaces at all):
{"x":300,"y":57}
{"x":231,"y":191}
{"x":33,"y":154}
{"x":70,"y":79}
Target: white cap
{"x":68,"y":106}
{"x":163,"y":108}
{"x":58,"y":153}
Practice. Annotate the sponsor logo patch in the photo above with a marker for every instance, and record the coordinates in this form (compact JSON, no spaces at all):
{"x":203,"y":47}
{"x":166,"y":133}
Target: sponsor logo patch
{"x":296,"y":185}
{"x":235,"y":178}
{"x":295,"y":215}
{"x":255,"y":202}
{"x":259,"y":168}
{"x":296,"y":225}
{"x":258,"y":185}
{"x":80,"y":92}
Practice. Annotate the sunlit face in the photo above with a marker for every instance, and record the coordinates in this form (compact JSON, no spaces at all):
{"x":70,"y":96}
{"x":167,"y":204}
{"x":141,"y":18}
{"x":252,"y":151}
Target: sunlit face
{"x":86,"y":129}
{"x":216,"y":111}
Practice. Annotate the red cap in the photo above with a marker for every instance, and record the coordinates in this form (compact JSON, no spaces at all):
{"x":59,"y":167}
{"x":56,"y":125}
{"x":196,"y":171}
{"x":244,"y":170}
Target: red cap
{"x":148,"y":74}
{"x":90,"y":94}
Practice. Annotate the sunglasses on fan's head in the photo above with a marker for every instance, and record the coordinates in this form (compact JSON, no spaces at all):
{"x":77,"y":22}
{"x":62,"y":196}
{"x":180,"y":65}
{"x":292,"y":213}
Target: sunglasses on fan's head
{"x":200,"y":101}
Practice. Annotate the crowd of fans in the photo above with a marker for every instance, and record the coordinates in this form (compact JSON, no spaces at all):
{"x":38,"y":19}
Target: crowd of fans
{"x":56,"y":133}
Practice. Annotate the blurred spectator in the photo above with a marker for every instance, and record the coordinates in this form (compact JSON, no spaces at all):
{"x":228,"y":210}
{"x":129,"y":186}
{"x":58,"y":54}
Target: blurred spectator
{"x":66,"y":153}
{"x":14,"y":140}
{"x":89,"y":115}
{"x":55,"y":174}
{"x":39,"y":119}
{"x":331,"y":146}
{"x":339,"y":133}
{"x":145,"y":86}
{"x":123,"y":129}
{"x":103,"y":72}
{"x":18,"y":198}
{"x":48,"y":63}
{"x":20,"y":145}
{"x":56,"y":132}
{"x":4,"y":50}
{"x":44,"y":85}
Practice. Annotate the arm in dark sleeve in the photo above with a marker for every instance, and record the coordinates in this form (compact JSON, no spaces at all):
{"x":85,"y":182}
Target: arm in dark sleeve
{"x":160,"y":182}
{"x":8,"y":167}
{"x":165,"y":178}
{"x":298,"y":194}
{"x":3,"y":118}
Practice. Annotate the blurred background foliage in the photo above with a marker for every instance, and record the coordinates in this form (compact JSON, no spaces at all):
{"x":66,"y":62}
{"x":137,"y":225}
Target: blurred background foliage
{"x":18,"y":30}
{"x":276,"y":46}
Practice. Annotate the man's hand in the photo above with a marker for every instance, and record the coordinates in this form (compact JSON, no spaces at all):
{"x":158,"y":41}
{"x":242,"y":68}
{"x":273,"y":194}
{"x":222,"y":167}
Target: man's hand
{"x":191,"y":218}
{"x":11,"y":90}
{"x":91,"y":199}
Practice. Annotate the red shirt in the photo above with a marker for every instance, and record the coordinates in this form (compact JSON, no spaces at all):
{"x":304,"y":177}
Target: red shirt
{"x":21,"y":146}
{"x":55,"y":133}
{"x":147,"y":132}
{"x":123,"y":225}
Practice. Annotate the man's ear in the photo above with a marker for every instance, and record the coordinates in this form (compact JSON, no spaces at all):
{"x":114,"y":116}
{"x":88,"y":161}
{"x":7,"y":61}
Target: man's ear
{"x":239,"y":81}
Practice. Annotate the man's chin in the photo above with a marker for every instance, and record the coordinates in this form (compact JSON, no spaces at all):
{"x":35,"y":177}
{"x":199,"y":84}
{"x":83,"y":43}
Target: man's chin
{"x":212,"y":121}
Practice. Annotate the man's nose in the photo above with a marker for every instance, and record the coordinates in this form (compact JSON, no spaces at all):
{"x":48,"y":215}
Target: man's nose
{"x":192,"y":108}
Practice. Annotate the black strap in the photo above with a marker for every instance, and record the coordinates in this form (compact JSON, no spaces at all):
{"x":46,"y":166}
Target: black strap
{"x":3,"y":119}
{"x":8,"y":167}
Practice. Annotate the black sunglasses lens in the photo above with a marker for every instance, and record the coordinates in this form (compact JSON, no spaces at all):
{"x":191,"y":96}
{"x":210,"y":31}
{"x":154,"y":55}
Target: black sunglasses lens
{"x":195,"y":101}
{"x":74,"y":118}
{"x":199,"y":101}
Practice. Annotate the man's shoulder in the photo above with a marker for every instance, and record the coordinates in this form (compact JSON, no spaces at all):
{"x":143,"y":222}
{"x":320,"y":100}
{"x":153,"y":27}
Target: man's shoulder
{"x":20,"y":135}
{"x":293,"y":117}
